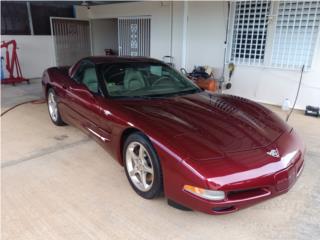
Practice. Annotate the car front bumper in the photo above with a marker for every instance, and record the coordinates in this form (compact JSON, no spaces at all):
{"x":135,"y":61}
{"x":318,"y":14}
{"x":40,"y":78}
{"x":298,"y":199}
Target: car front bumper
{"x":280,"y":182}
{"x":242,"y":188}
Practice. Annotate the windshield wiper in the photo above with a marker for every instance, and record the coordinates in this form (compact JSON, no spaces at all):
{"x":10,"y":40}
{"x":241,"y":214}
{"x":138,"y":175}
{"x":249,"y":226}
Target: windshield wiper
{"x":132,"y":97}
{"x":160,"y":96}
{"x":189,"y":91}
{"x":194,"y":90}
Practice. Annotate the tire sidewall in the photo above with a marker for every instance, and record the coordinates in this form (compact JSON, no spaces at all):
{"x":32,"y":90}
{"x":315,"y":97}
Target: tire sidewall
{"x":156,"y":188}
{"x":58,"y":121}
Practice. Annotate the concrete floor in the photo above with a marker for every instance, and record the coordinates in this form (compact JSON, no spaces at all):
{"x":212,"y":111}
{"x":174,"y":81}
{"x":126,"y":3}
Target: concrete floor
{"x":11,"y":95}
{"x":58,"y":184}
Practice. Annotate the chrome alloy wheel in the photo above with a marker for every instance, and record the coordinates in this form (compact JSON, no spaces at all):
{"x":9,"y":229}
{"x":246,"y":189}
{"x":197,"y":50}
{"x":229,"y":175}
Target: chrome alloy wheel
{"x":139,"y":166}
{"x":53,"y":108}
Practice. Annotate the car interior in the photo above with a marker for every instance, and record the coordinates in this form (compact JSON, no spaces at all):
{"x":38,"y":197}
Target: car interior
{"x":90,"y":79}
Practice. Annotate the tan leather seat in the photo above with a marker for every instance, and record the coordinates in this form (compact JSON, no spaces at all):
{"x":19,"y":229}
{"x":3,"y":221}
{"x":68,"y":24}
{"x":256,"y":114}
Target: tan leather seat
{"x":90,"y":79}
{"x":133,"y":80}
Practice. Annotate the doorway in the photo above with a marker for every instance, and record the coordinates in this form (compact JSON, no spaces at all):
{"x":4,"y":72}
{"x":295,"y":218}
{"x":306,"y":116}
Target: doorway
{"x":104,"y":34}
{"x":123,"y":36}
{"x":74,"y":39}
{"x":134,"y":36}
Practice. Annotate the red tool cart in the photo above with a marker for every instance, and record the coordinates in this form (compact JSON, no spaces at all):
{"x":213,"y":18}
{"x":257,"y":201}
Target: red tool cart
{"x":12,"y":64}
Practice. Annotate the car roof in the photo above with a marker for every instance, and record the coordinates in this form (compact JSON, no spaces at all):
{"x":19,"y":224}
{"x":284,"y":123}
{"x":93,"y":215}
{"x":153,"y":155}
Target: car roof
{"x":122,"y":59}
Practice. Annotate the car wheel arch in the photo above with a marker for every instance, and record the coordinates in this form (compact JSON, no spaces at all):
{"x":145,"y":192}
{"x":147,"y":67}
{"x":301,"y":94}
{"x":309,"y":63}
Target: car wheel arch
{"x":125,"y":134}
{"x":48,"y":86}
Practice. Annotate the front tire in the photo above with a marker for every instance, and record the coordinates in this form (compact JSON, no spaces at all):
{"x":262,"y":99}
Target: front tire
{"x":142,"y":166}
{"x":53,"y":108}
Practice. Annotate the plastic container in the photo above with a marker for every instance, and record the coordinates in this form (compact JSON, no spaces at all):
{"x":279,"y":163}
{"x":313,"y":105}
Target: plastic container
{"x":286,"y":105}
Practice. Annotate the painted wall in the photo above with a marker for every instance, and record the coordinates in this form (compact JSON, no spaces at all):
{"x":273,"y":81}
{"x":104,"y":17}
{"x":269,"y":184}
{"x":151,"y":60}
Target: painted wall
{"x":203,"y":25}
{"x":206,"y":34}
{"x":160,"y":23}
{"x":35,"y":53}
{"x":273,"y":86}
{"x":204,"y":45}
{"x":104,"y":35}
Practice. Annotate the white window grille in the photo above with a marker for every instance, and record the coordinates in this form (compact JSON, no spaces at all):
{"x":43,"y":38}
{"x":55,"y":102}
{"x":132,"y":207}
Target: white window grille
{"x":250,"y":31}
{"x":276,"y":34}
{"x":296,"y":33}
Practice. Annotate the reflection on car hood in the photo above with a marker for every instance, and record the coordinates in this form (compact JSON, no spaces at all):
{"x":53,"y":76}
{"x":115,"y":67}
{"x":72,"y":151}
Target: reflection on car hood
{"x":217,"y":124}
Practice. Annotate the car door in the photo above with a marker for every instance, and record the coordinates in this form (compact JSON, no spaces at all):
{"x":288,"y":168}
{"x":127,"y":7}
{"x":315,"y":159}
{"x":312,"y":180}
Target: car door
{"x":84,"y":98}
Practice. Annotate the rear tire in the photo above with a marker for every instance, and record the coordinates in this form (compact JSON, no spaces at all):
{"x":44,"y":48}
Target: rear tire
{"x":142,"y":166}
{"x":53,"y":108}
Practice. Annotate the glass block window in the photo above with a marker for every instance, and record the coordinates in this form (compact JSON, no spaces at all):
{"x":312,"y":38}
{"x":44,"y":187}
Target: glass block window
{"x":250,"y":31}
{"x":296,"y":33}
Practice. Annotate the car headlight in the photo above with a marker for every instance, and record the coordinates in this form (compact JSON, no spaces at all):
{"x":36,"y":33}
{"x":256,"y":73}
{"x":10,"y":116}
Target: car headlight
{"x":205,"y":193}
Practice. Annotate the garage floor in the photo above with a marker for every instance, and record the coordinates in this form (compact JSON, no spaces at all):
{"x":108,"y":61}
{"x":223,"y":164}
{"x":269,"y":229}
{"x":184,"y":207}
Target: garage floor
{"x":59,"y":184}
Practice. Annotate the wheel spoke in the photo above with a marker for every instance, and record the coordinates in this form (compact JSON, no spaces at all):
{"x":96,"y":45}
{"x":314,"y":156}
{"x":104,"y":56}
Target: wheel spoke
{"x":139,"y":166}
{"x":147,"y":169}
{"x":132,"y":172}
{"x":53,"y":107}
{"x":143,"y":177}
{"x":141,"y":152}
{"x":133,"y":156}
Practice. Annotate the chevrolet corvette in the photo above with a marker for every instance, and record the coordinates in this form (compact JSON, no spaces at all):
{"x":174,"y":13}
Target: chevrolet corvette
{"x":210,"y":152}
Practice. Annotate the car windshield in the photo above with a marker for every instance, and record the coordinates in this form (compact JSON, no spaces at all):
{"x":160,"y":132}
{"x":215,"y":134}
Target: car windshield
{"x":145,"y":80}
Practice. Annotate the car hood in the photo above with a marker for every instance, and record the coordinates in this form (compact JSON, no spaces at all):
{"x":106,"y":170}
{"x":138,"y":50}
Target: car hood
{"x":207,"y":126}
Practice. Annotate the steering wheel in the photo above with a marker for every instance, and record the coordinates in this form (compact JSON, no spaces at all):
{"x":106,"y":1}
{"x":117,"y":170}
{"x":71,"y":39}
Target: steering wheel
{"x":161,"y":79}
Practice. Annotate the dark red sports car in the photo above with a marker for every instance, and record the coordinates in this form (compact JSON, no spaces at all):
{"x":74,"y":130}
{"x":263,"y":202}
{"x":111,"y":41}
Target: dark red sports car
{"x":210,"y":152}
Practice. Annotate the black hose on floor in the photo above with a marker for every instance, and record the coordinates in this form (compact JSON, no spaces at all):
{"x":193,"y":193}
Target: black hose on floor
{"x":36,"y":101}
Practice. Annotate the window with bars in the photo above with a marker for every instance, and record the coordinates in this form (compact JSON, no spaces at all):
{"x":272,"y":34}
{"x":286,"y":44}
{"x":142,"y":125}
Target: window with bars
{"x":277,"y":34}
{"x":297,"y":26}
{"x":250,"y":31}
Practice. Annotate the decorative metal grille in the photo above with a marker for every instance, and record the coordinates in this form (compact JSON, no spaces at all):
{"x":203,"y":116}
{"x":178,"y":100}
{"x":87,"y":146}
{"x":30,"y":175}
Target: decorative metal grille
{"x":276,"y":34}
{"x":250,"y":31}
{"x":296,"y":33}
{"x":134,"y":36}
{"x":71,"y":40}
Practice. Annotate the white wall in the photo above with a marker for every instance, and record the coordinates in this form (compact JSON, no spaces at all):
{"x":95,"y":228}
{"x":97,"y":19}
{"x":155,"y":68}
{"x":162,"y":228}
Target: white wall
{"x":274,"y":86}
{"x":160,"y":22}
{"x":104,"y":35}
{"x":205,"y":46}
{"x":35,"y":53}
{"x":205,"y":35}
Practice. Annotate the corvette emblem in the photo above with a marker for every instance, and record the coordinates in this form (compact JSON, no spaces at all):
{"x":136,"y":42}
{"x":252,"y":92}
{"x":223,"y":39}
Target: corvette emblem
{"x":274,"y":153}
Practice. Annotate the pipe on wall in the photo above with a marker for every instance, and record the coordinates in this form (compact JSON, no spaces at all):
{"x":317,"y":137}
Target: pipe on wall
{"x":184,"y":34}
